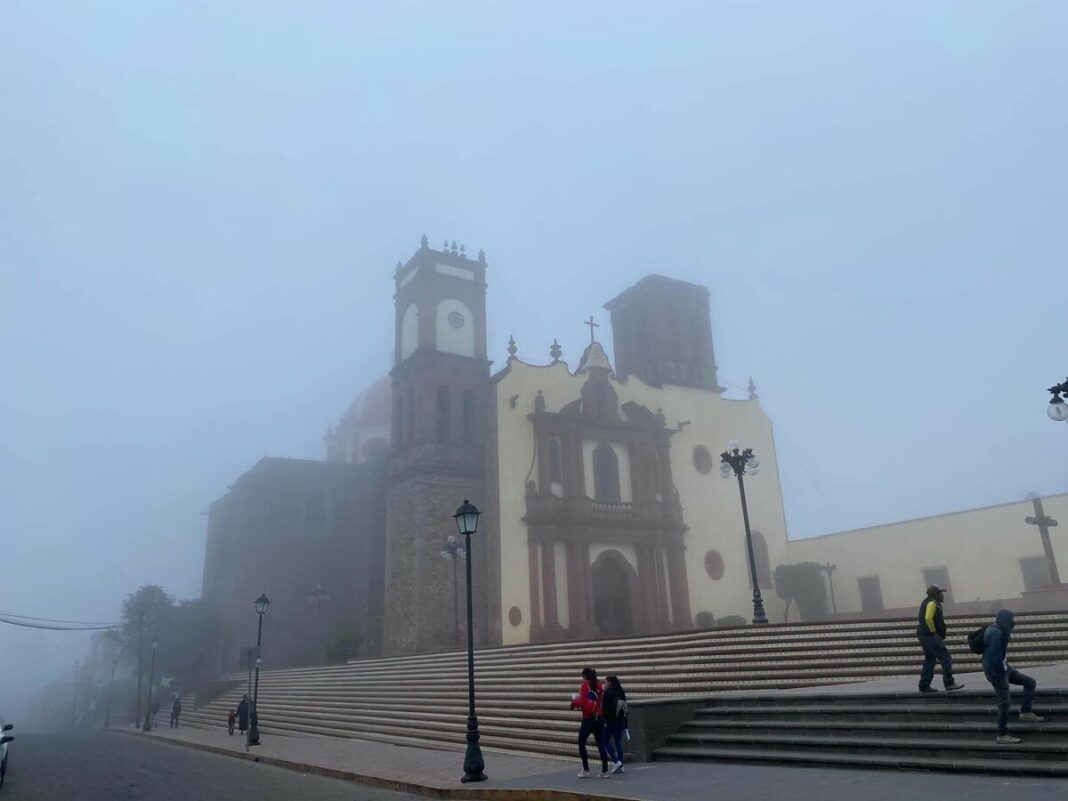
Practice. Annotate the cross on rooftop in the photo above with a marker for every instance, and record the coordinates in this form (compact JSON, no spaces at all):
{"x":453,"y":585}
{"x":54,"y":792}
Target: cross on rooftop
{"x":592,"y":326}
{"x":1044,"y":523}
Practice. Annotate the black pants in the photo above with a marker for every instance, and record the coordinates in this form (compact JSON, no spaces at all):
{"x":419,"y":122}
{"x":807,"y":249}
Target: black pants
{"x":934,"y":650}
{"x":596,"y":728}
{"x":1001,"y":690}
{"x":174,"y":720}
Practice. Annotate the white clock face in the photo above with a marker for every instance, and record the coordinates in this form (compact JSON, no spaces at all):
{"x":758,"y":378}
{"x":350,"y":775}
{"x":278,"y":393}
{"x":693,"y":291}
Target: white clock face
{"x":456,"y":320}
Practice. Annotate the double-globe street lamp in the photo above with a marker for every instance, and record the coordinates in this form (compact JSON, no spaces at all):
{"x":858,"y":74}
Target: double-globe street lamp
{"x":741,"y":463}
{"x":254,"y":724}
{"x":151,"y":681}
{"x":452,"y":550}
{"x":1058,"y":408}
{"x":466,"y":518}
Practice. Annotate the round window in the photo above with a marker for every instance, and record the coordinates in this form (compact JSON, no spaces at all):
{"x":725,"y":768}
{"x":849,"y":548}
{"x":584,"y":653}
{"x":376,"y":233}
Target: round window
{"x":515,"y":617}
{"x":456,"y":320}
{"x":702,"y":460}
{"x":714,"y":565}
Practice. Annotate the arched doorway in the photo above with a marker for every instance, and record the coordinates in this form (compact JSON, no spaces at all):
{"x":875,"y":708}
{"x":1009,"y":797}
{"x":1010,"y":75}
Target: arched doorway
{"x":614,"y":582}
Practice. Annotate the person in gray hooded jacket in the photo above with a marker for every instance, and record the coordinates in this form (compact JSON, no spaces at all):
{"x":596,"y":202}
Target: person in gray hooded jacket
{"x":1001,"y":674}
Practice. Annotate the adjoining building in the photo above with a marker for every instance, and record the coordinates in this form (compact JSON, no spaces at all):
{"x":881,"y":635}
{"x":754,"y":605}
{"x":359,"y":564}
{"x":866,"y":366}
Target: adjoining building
{"x":604,"y":509}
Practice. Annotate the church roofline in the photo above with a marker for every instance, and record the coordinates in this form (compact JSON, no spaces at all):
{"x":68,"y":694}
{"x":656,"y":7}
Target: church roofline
{"x":655,"y":279}
{"x":1058,"y":495}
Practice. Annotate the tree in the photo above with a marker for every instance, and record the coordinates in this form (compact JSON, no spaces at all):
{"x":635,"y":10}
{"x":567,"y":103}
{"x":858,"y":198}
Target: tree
{"x":803,"y":584}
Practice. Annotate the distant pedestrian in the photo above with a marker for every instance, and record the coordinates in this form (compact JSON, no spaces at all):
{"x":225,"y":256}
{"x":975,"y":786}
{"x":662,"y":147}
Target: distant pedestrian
{"x":614,"y":705}
{"x":242,"y":713}
{"x":176,"y":711}
{"x":588,"y":699}
{"x":1001,"y":674}
{"x":231,"y":720}
{"x":156,"y":707}
{"x":931,"y":631}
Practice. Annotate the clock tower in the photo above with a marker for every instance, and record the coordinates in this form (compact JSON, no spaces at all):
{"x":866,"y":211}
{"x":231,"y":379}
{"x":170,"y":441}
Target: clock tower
{"x":441,"y":404}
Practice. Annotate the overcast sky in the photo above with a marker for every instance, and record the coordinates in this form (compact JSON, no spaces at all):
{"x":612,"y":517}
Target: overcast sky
{"x":201,"y":205}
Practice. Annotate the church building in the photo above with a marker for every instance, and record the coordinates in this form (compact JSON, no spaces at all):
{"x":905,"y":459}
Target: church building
{"x":604,"y":510}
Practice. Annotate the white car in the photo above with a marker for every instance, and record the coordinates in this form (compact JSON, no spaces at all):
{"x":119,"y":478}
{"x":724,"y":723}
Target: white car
{"x":5,"y":738}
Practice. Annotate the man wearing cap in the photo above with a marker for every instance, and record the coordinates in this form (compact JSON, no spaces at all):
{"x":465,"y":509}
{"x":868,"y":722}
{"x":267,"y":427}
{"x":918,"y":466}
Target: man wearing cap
{"x":931,"y":630}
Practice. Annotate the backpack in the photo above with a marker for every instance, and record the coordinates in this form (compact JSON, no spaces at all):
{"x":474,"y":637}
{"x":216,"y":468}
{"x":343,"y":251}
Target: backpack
{"x":622,"y":710}
{"x":975,"y":640}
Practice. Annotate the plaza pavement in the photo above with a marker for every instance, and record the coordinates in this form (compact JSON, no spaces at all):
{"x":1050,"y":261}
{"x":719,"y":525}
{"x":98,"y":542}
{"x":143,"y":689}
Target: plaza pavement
{"x":435,"y":772}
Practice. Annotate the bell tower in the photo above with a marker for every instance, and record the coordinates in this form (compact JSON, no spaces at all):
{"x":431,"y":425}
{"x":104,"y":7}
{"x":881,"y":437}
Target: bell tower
{"x":441,"y":403}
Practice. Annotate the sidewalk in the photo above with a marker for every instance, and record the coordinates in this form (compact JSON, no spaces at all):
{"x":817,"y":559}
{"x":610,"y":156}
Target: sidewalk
{"x":435,"y":774}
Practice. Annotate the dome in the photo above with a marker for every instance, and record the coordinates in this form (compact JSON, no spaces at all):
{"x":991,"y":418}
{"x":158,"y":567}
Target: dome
{"x":373,"y":406}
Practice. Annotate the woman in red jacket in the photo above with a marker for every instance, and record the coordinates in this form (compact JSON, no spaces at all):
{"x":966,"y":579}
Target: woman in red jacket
{"x":588,"y":699}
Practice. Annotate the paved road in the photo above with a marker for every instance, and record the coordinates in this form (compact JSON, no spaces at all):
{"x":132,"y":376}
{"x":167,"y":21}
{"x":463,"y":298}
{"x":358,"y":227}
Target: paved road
{"x":101,"y":766}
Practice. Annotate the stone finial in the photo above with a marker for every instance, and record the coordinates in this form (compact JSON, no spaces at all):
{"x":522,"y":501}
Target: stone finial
{"x":399,"y":265}
{"x":555,"y":351}
{"x":481,"y":256}
{"x":424,"y":241}
{"x":512,"y":349}
{"x":454,"y":251}
{"x":445,"y":246}
{"x":463,"y":250}
{"x":539,"y":401}
{"x":752,"y":389}
{"x":660,"y":419}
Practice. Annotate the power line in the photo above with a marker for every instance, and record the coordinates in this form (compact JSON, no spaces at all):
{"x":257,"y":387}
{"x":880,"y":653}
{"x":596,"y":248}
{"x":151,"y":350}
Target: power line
{"x":5,"y":613}
{"x":55,"y":627}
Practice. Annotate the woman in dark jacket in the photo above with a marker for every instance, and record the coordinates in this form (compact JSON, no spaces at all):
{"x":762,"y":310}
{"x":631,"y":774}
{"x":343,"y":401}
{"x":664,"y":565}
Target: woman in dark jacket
{"x":614,"y":705}
{"x":588,"y":700}
{"x":242,"y":713}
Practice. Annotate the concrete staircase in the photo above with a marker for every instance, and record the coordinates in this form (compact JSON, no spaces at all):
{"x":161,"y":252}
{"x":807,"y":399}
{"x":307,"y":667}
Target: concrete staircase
{"x":523,"y":692}
{"x":936,"y":732}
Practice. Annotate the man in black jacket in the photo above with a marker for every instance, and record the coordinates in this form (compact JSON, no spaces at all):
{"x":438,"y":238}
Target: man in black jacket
{"x":931,"y":631}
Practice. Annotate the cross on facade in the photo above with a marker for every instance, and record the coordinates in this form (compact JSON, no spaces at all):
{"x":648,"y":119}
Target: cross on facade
{"x":592,"y":326}
{"x":1045,"y":523}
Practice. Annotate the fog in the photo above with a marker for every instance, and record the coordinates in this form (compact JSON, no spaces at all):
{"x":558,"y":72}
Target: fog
{"x":201,"y":206}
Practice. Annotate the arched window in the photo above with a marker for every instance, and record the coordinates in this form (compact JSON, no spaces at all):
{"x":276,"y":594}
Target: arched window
{"x":470,"y":416}
{"x":444,"y":413}
{"x":605,"y":473}
{"x":763,"y":561}
{"x":555,"y":469}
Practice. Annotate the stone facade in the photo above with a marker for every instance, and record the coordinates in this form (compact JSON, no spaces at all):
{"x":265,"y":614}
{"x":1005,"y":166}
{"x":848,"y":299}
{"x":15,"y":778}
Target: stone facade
{"x":285,"y":526}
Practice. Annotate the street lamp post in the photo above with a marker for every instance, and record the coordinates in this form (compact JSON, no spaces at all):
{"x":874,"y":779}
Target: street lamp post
{"x":317,"y":596}
{"x":151,"y":679}
{"x":111,"y":687}
{"x":466,"y":518}
{"x":452,"y":550}
{"x":254,"y":724}
{"x":740,"y":463}
{"x":1058,"y":409}
{"x":829,"y":570}
{"x":140,"y":669}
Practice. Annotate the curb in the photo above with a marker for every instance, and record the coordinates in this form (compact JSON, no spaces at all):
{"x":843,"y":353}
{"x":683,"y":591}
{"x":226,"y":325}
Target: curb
{"x":397,"y":785}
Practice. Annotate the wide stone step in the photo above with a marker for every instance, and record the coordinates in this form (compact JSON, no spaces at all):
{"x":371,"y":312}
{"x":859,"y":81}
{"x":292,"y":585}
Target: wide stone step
{"x":1046,"y":748}
{"x":888,"y":729}
{"x":1025,"y":767}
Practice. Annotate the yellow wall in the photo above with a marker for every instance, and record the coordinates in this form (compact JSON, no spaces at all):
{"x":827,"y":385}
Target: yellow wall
{"x":981,"y":548}
{"x":711,"y":505}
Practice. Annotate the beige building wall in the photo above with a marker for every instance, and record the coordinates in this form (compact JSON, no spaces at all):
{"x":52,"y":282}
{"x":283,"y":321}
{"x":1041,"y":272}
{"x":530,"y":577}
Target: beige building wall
{"x":981,"y":548}
{"x":711,"y":505}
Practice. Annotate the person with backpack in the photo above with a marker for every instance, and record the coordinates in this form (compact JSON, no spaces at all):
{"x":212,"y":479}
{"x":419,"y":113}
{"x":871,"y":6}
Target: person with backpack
{"x":615,"y":721}
{"x":931,"y":632}
{"x":1000,"y":674}
{"x":589,"y":700}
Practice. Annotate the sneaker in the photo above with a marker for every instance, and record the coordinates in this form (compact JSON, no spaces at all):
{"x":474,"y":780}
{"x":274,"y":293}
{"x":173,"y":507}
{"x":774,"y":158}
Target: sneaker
{"x":584,"y":774}
{"x":1008,"y":739}
{"x":618,"y":767}
{"x":928,"y":690}
{"x":621,"y":770}
{"x":954,"y":686}
{"x":1031,"y":717}
{"x":603,"y":774}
